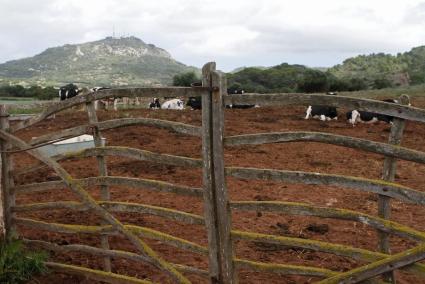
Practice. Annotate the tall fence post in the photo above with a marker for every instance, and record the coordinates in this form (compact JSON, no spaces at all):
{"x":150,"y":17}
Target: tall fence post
{"x":225,"y":251}
{"x":208,"y":176}
{"x":7,"y":183}
{"x":103,"y":171}
{"x":217,"y":209}
{"x":389,"y":171}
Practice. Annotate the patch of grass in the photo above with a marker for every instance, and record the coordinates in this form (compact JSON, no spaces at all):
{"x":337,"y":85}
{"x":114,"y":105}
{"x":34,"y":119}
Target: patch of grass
{"x":25,"y":110}
{"x":412,"y":91}
{"x":16,"y":99}
{"x":18,"y":265}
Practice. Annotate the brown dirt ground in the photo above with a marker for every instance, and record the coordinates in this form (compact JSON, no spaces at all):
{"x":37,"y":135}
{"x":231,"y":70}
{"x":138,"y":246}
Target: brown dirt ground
{"x":314,"y":157}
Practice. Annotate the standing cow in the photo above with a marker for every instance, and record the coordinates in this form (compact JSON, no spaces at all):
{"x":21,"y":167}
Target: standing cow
{"x":68,"y":91}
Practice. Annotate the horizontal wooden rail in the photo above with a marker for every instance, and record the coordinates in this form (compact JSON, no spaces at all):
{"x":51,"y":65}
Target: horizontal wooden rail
{"x":134,"y":153}
{"x":168,"y":239}
{"x":93,"y":274}
{"x":103,"y":252}
{"x":111,"y":93}
{"x":112,"y":206}
{"x":341,"y":250}
{"x":86,"y":249}
{"x":285,"y":269}
{"x":191,"y":270}
{"x":119,"y":151}
{"x":158,"y":211}
{"x":368,"y":271}
{"x":304,"y":209}
{"x":334,"y":139}
{"x":138,"y":183}
{"x":142,"y":232}
{"x":117,"y":123}
{"x":390,"y":189}
{"x":288,"y":99}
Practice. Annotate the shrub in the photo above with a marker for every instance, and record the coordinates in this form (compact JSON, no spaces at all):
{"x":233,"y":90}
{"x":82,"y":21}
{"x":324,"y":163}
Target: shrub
{"x":18,"y":265}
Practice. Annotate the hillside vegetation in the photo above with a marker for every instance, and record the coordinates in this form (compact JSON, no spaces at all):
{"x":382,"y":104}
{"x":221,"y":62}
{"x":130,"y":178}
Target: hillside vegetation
{"x":364,"y":72}
{"x":131,"y":62}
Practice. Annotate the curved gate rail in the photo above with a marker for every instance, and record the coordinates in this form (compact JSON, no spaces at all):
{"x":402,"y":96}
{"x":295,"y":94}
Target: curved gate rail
{"x":104,"y":207}
{"x":223,"y":264}
{"x":379,"y":262}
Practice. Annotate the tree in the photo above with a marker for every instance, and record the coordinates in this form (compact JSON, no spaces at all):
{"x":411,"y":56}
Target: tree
{"x":313,"y":81}
{"x":381,"y":83}
{"x":185,"y":79}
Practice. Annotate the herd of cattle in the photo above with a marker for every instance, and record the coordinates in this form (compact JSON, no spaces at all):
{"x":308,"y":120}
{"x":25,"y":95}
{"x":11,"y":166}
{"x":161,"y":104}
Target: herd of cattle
{"x":324,"y":113}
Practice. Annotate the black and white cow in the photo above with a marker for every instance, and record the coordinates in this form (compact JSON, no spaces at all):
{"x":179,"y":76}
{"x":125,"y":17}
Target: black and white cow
{"x":173,"y":104}
{"x":68,"y":91}
{"x":355,"y":116}
{"x":194,"y":103}
{"x":154,"y":104}
{"x":240,"y":106}
{"x":323,"y":113}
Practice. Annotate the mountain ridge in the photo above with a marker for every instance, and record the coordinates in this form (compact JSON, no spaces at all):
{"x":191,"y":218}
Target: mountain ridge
{"x":125,"y":61}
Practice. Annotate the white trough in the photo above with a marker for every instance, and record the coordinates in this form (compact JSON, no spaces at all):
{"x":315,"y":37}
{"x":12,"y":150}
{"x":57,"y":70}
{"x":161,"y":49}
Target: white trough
{"x":70,"y":145}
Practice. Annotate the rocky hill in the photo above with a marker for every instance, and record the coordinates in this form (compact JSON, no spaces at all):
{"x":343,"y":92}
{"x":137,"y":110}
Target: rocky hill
{"x":108,"y":62}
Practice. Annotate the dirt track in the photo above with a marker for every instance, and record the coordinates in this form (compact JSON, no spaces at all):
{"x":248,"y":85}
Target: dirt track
{"x":314,"y":157}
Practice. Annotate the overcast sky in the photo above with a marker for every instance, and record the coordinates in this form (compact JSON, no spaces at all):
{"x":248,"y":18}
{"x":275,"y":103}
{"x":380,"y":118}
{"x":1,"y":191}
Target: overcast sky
{"x":232,"y":33}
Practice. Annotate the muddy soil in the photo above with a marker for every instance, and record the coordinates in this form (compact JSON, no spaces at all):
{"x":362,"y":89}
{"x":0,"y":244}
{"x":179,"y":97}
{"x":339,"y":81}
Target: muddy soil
{"x":300,"y":156}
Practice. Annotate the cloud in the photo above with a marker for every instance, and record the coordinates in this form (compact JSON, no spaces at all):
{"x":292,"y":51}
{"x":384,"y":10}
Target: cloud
{"x":234,"y":33}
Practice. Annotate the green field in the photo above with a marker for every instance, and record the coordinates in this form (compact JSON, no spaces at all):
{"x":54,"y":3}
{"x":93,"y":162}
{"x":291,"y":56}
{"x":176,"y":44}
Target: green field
{"x":412,"y":91}
{"x":16,"y":101}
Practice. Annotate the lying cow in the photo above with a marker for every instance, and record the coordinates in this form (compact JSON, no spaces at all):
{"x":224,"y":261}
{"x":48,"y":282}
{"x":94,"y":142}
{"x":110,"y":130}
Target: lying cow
{"x":68,"y":91}
{"x":173,"y":104}
{"x":194,"y":103}
{"x":355,"y":116}
{"x":240,"y":106}
{"x":154,"y":104}
{"x":323,"y":113}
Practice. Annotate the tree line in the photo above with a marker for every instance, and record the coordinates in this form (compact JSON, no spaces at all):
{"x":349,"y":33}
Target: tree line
{"x":37,"y":92}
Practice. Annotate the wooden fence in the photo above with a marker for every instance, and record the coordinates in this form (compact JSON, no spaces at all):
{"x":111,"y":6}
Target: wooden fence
{"x":223,"y":263}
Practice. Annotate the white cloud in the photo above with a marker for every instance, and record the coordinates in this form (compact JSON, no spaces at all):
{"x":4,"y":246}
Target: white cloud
{"x":234,"y":33}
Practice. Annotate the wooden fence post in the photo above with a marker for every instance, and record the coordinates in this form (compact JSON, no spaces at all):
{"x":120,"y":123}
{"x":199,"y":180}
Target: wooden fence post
{"x":225,"y":251}
{"x":216,"y":202}
{"x":389,"y":171}
{"x":208,"y":176}
{"x":103,"y":171}
{"x":6,"y":179}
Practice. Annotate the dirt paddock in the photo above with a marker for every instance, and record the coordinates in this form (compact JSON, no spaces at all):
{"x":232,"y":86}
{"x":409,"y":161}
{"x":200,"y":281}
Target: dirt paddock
{"x":300,"y":156}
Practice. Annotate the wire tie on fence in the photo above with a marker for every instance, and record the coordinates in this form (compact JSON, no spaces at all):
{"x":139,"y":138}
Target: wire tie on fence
{"x":92,"y":128}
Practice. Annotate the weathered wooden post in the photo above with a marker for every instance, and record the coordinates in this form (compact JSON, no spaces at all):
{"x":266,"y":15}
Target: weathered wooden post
{"x":103,"y":171}
{"x":8,"y":196}
{"x":389,"y":171}
{"x":208,"y":175}
{"x":217,"y":210}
